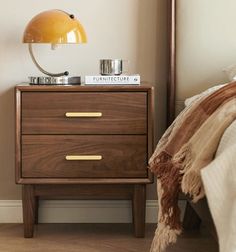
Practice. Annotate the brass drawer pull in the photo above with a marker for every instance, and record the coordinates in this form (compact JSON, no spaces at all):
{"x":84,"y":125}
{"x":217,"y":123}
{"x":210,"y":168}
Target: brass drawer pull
{"x":83,"y":157}
{"x":83,"y":114}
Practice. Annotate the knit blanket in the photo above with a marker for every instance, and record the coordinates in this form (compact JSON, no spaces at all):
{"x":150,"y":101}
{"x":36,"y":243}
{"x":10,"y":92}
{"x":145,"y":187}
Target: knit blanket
{"x":219,"y":179}
{"x":187,"y":146}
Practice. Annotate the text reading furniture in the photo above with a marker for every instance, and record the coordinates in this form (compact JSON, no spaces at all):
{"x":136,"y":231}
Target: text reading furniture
{"x":85,"y":143}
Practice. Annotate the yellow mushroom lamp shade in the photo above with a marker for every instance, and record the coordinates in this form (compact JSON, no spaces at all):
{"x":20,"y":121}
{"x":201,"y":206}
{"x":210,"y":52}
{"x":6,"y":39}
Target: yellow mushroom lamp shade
{"x":54,"y":27}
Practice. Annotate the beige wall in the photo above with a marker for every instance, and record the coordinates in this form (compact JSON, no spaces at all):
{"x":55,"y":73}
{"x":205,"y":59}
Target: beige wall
{"x":134,"y":30}
{"x":206,"y":44}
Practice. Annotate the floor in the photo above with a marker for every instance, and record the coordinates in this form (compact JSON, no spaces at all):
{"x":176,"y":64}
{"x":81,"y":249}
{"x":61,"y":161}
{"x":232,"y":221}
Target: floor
{"x":94,"y":238}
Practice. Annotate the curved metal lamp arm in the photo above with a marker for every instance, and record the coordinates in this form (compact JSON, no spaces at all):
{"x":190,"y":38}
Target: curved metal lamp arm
{"x":40,"y":68}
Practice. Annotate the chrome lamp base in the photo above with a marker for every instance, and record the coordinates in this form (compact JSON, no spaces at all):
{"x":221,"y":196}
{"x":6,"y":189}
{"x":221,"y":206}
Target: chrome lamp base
{"x":51,"y":80}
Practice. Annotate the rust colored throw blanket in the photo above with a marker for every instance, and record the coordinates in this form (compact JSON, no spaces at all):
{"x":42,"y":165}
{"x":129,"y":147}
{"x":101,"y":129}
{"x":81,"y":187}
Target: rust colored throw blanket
{"x":188,"y":145}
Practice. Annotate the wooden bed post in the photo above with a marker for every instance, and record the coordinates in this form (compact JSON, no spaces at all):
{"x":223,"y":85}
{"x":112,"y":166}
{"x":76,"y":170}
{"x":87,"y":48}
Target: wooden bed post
{"x":171,"y":85}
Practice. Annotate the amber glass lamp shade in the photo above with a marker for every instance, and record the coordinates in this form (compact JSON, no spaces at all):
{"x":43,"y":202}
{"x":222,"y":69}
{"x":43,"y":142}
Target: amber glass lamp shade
{"x":53,"y":27}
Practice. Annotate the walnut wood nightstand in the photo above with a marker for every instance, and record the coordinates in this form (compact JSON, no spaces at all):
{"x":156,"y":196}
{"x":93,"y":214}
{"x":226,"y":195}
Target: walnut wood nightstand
{"x":83,"y":142}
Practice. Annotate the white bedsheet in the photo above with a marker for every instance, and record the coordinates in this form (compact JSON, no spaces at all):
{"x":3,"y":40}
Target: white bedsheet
{"x":219,"y":179}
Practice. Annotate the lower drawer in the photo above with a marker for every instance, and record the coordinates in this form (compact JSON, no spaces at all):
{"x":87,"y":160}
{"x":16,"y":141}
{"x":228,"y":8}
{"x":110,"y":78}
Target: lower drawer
{"x":84,"y":156}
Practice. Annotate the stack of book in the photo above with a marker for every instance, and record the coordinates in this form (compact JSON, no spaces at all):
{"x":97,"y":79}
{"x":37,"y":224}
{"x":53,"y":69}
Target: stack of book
{"x":112,"y":79}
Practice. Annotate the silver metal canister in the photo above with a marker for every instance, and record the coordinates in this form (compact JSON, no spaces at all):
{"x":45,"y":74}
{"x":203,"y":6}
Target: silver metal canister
{"x":111,"y":66}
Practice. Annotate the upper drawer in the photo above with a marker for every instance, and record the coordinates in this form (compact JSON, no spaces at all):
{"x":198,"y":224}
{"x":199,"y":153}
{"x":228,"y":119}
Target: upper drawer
{"x":115,"y":112}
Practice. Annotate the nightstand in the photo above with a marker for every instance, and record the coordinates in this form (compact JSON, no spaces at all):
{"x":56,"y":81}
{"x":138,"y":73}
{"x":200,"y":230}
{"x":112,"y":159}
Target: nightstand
{"x":83,"y":142}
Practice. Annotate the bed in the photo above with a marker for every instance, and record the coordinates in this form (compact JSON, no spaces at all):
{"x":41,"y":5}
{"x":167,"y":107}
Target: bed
{"x":201,"y":46}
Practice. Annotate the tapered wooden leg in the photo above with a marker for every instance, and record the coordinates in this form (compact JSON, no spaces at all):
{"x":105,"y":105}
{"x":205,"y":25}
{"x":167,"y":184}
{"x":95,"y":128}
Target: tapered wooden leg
{"x":191,"y":219}
{"x":139,"y":210}
{"x":28,"y":201}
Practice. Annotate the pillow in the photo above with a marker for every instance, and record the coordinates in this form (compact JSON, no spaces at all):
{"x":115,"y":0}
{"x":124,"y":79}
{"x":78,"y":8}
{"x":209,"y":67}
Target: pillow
{"x":207,"y":92}
{"x":230,"y":72}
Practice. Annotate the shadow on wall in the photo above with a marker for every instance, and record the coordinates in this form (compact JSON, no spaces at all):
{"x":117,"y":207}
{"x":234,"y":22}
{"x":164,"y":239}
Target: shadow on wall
{"x":8,"y":189}
{"x":13,"y":55}
{"x":152,"y":60}
{"x":152,"y":54}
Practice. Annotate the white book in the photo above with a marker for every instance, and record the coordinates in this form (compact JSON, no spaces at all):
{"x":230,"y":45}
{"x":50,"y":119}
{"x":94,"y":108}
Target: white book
{"x":112,"y":79}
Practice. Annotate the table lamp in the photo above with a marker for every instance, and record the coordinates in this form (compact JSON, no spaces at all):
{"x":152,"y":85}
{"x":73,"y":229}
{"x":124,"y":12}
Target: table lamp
{"x":54,"y":27}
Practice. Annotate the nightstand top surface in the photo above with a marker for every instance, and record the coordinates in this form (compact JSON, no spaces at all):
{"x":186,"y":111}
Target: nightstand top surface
{"x":84,"y":88}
